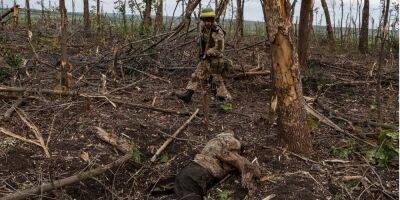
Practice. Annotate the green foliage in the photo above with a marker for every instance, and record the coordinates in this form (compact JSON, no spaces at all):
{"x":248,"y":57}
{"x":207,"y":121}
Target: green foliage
{"x":226,"y":106}
{"x":136,"y":154}
{"x":387,"y":150}
{"x":224,"y":194}
{"x":344,"y":152}
{"x":164,"y":158}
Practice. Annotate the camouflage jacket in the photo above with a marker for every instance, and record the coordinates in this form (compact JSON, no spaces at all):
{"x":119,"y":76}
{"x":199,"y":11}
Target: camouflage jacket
{"x":220,"y":146}
{"x":215,"y":45}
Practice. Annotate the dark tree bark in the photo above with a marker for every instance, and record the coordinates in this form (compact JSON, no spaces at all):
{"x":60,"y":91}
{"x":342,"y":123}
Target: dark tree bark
{"x":28,"y":15}
{"x":329,"y":29}
{"x":221,"y":9}
{"x":304,"y":31}
{"x":288,"y":98}
{"x":146,"y":23}
{"x":239,"y":19}
{"x":159,"y":25}
{"x":86,"y":17}
{"x":64,"y":79}
{"x":363,"y":40}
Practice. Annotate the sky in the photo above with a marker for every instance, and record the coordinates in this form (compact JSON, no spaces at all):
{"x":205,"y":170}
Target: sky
{"x":252,"y":9}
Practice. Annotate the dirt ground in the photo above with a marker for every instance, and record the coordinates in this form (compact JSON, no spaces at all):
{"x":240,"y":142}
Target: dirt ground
{"x":67,"y":123}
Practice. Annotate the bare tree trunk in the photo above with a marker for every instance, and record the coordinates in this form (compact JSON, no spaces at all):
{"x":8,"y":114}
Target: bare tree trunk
{"x":2,"y":7}
{"x":341,"y":21}
{"x":64,"y":80}
{"x":288,"y":98}
{"x":363,"y":42}
{"x":292,"y":10}
{"x":73,"y":13}
{"x":146,"y":23}
{"x":329,"y":29}
{"x":239,"y":20}
{"x":42,"y":7}
{"x":380,"y":60}
{"x":98,"y":16}
{"x":15,"y":14}
{"x":123,"y":12}
{"x":159,"y":17}
{"x":173,"y":16}
{"x":221,"y":9}
{"x":304,"y":31}
{"x":86,"y":17}
{"x":28,"y":15}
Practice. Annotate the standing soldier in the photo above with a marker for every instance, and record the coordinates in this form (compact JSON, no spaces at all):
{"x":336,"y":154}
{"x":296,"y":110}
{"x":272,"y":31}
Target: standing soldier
{"x":212,"y":46}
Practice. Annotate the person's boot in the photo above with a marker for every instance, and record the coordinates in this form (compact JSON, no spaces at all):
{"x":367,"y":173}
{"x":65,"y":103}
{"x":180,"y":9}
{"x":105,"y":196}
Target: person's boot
{"x":185,"y":96}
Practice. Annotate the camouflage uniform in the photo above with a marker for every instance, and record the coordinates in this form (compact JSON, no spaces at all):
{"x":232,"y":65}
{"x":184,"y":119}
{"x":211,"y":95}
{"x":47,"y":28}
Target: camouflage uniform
{"x":211,"y":64}
{"x":218,"y":158}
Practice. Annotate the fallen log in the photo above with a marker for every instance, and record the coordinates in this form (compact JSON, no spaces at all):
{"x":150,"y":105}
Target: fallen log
{"x":45,"y":187}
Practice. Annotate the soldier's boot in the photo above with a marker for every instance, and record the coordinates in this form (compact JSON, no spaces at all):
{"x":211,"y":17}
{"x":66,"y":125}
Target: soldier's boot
{"x":185,"y":96}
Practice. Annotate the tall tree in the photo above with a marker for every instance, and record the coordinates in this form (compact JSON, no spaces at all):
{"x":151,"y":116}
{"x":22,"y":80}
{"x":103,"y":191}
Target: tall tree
{"x":86,"y":17}
{"x":329,"y":29}
{"x":42,"y":7}
{"x":341,"y":21}
{"x":363,"y":40}
{"x":146,"y":23}
{"x":73,"y":13}
{"x":159,"y":16}
{"x":288,"y":98}
{"x":380,"y":59}
{"x":98,"y":16}
{"x":239,"y":19}
{"x":28,"y":15}
{"x":64,"y":64}
{"x":305,"y":24}
{"x":15,"y":14}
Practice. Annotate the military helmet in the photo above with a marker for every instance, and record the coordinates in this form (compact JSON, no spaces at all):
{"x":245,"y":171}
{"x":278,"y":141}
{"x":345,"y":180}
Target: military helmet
{"x":207,"y":13}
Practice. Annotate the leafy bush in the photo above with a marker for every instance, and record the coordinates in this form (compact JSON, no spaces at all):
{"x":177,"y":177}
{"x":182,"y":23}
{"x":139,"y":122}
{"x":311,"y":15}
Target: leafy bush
{"x":344,"y":152}
{"x":387,"y":150}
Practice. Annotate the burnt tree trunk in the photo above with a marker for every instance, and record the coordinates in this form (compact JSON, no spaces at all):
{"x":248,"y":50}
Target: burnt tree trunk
{"x":159,"y":17}
{"x":146,"y":23}
{"x":28,"y":15}
{"x":304,"y":31}
{"x":86,"y":17}
{"x":63,"y":37}
{"x":288,"y":98}
{"x":363,"y":40}
{"x":329,"y":29}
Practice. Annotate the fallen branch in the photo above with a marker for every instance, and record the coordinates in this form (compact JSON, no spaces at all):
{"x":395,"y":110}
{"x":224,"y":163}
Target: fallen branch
{"x":110,"y":138}
{"x":149,"y":75}
{"x":9,"y":112}
{"x":23,"y":194}
{"x":253,"y":73}
{"x":11,"y":134}
{"x":169,"y":140}
{"x":35,"y":130}
{"x":109,"y":98}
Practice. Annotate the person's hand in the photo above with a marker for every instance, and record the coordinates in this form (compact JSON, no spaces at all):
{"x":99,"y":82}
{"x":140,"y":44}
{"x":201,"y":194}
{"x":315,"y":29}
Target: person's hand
{"x":250,"y":173}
